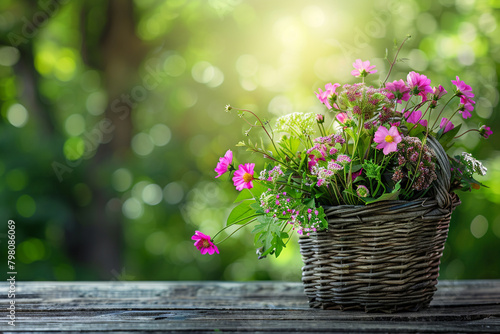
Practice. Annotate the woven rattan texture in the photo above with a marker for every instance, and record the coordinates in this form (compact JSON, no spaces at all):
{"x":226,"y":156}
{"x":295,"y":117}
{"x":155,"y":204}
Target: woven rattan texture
{"x":381,"y":257}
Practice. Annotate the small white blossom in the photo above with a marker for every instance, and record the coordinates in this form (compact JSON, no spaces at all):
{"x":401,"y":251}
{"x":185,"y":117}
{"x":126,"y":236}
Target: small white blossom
{"x":474,"y":164}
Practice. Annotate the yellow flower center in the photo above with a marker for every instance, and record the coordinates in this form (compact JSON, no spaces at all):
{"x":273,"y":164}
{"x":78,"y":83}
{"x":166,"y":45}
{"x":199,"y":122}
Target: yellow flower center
{"x":389,"y":139}
{"x":247,"y":177}
{"x":206,"y":243}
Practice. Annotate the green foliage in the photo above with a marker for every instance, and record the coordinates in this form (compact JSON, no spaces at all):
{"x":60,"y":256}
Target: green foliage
{"x":189,"y":58}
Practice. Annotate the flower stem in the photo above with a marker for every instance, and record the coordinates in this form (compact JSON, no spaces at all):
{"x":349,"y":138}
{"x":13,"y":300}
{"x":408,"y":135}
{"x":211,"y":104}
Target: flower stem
{"x":239,"y":228}
{"x":395,"y":59}
{"x":442,"y":109}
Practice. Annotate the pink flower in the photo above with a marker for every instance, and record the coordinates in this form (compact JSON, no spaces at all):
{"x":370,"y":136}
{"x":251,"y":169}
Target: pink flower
{"x":398,"y":91}
{"x":462,"y":88}
{"x":438,"y":92}
{"x":448,"y":125}
{"x":223,"y":164}
{"x":419,"y":84}
{"x":328,"y":94}
{"x":313,"y":161}
{"x":465,"y":109}
{"x":243,"y":177}
{"x":320,"y":118}
{"x":204,"y":243}
{"x":485,"y":131}
{"x":362,"y":191}
{"x":356,"y":174}
{"x":362,"y":68}
{"x":387,"y":139}
{"x":343,"y":159}
{"x":414,"y":117}
{"x":342,"y":117}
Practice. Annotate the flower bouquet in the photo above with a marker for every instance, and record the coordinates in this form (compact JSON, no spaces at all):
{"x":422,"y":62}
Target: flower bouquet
{"x":368,"y":187}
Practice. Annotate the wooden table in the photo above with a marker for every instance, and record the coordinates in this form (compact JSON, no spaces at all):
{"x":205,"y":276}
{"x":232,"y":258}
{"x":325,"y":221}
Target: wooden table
{"x":267,"y":307}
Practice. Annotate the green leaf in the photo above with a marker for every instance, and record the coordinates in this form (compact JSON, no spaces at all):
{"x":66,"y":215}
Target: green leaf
{"x":393,"y":195}
{"x":242,"y":213}
{"x":254,"y":193}
{"x":447,"y":139}
{"x":372,"y":170}
{"x":243,"y":195}
{"x":269,"y":234}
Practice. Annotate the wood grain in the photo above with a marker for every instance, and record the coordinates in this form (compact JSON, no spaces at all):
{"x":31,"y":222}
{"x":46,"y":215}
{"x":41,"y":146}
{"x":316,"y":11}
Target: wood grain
{"x":461,"y":306}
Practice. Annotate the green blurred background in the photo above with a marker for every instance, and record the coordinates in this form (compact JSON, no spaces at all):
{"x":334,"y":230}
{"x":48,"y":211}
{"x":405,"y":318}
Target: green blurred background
{"x":112,"y":121}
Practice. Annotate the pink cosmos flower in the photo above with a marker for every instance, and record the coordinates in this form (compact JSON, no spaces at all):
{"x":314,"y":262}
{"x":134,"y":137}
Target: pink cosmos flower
{"x":485,"y":131}
{"x":342,"y":117}
{"x":243,"y":177}
{"x":329,"y":92}
{"x":387,"y":139}
{"x":462,"y":88}
{"x":448,"y":125}
{"x":204,"y":243}
{"x":223,"y":164}
{"x":398,"y":90}
{"x":419,"y":84}
{"x":415,"y":116}
{"x":362,"y":68}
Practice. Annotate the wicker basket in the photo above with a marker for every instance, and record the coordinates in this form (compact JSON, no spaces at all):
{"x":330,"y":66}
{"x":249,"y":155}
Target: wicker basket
{"x":380,"y":257}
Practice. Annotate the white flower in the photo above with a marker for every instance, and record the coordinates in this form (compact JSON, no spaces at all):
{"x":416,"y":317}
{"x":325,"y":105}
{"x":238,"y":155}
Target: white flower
{"x":474,"y":164}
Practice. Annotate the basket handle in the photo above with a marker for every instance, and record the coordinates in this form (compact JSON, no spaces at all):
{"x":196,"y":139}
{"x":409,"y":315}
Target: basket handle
{"x":443,"y":182}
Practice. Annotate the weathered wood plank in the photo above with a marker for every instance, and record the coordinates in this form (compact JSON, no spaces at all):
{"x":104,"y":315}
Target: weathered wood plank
{"x":463,"y":306}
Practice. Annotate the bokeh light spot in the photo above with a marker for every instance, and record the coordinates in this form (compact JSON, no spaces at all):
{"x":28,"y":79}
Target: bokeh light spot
{"x":16,"y":179}
{"x":142,"y":144}
{"x":8,"y":55}
{"x":65,"y":68}
{"x":426,"y":23}
{"x":45,"y":60}
{"x":31,"y":250}
{"x":173,"y":193}
{"x":96,"y":103}
{"x":418,"y":60}
{"x":174,"y":65}
{"x":479,"y":226}
{"x":203,"y":72}
{"x":17,"y":115}
{"x":74,"y":125}
{"x":487,"y":23}
{"x":160,"y":134}
{"x":247,"y":65}
{"x":26,"y":206}
{"x":74,"y":148}
{"x":152,"y":194}
{"x":132,"y":208}
{"x":121,"y":179}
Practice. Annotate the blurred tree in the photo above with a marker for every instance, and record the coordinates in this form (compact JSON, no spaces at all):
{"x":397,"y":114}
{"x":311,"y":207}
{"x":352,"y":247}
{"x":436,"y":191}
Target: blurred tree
{"x":111,"y":121}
